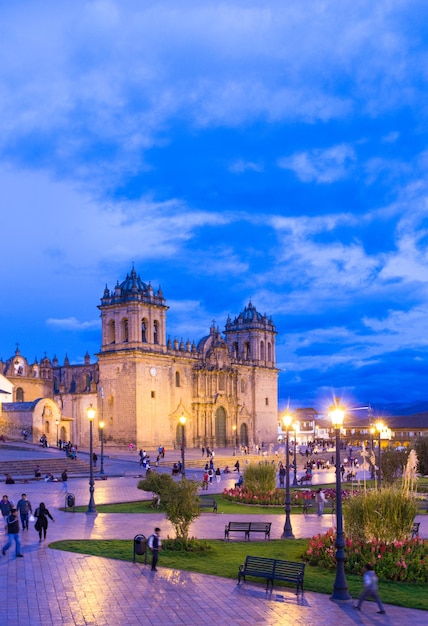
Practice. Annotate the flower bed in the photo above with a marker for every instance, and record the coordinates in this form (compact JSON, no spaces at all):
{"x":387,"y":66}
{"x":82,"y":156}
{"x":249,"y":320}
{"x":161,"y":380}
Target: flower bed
{"x":276,"y":496}
{"x":398,"y":560}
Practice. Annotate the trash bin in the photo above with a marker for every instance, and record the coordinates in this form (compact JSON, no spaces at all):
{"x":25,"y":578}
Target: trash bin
{"x":140,"y":547}
{"x":70,"y":501}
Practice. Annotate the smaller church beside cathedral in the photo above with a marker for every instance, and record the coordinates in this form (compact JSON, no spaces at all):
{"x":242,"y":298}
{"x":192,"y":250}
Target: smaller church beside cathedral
{"x":143,"y":381}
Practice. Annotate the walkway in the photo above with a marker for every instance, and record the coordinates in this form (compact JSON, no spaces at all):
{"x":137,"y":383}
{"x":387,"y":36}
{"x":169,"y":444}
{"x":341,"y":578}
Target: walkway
{"x":50,"y":587}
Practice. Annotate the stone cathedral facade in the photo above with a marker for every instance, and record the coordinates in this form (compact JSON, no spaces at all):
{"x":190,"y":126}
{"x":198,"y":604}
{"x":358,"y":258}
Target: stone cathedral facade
{"x":226,"y":384}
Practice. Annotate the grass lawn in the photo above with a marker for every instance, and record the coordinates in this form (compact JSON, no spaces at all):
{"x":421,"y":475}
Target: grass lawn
{"x":223,"y":558}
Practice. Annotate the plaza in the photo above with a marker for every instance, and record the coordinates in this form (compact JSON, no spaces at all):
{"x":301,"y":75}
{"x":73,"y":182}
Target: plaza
{"x":53,"y":587}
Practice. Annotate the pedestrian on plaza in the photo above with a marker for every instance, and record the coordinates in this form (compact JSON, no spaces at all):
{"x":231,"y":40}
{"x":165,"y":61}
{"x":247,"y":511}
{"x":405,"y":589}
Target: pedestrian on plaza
{"x":64,"y":478}
{"x":236,"y":466}
{"x":12,"y":522}
{"x":320,"y":500}
{"x":24,"y":509}
{"x":41,"y":525}
{"x":37,"y":472}
{"x":155,"y":544}
{"x":218,"y":475}
{"x":210,"y":474}
{"x":281,"y":474}
{"x":94,"y":459}
{"x":205,"y":480}
{"x":5,"y":507}
{"x":370,"y":581}
{"x":203,"y":450}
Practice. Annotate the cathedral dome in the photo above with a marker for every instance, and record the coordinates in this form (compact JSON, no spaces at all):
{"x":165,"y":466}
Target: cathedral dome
{"x":133,"y":284}
{"x":250,"y":314}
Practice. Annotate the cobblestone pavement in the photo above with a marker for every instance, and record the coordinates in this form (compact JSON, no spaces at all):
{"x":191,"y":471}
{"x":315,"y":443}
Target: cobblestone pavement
{"x":53,"y":587}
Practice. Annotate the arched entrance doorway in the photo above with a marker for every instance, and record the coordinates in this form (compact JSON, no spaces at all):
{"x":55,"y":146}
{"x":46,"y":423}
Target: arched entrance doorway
{"x":243,"y":435}
{"x":220,"y":427}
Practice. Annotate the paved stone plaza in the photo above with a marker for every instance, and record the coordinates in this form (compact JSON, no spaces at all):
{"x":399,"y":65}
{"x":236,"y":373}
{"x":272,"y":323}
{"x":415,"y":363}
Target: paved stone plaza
{"x":53,"y":587}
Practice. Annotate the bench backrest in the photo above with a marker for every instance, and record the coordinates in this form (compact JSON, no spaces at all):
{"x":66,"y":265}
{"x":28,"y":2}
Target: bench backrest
{"x":265,"y":526}
{"x":289,"y":568}
{"x":238,"y":525}
{"x":259,"y":564}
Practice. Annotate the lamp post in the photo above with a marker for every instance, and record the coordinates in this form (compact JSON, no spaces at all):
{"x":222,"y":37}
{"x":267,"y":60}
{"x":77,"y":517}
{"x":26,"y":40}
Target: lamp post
{"x":340,"y":589}
{"x":372,"y":457}
{"x":295,"y":483}
{"x":57,"y":424}
{"x":379,"y":428}
{"x":101,"y":425}
{"x":182,"y":422}
{"x":288,"y":530}
{"x":90,"y":412}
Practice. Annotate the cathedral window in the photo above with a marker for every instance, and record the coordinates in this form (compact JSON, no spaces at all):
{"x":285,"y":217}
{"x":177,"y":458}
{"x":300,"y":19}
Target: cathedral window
{"x":262,"y":350}
{"x":247,"y":352}
{"x":242,"y":385}
{"x":235,"y":350}
{"x":221,"y":382}
{"x":156,"y":332}
{"x":20,"y":394}
{"x":153,"y":394}
{"x":144,"y":331}
{"x":125,"y":330}
{"x":177,"y":379}
{"x":47,"y":427}
{"x":111,"y":332}
{"x":269,"y":351}
{"x":267,"y":401}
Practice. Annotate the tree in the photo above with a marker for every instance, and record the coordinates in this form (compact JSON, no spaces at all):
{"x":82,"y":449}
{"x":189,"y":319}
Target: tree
{"x":178,"y":498}
{"x":393,"y":463}
{"x":260,"y":477}
{"x":421,"y":447}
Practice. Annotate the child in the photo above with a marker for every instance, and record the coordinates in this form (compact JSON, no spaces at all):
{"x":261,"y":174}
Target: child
{"x":370,"y":588}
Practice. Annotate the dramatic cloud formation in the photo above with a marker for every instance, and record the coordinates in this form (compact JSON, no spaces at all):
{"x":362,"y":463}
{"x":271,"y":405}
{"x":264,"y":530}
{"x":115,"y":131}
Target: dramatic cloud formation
{"x":272,"y":152}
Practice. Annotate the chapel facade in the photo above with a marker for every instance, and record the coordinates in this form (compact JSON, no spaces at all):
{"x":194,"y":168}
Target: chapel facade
{"x":225,"y":384}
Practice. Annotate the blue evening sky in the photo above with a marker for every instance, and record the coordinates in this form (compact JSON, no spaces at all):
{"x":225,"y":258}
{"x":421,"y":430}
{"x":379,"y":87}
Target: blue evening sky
{"x":272,"y":151}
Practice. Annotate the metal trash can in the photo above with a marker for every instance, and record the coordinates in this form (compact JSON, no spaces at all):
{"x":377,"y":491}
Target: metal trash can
{"x":70,"y":501}
{"x":140,"y":547}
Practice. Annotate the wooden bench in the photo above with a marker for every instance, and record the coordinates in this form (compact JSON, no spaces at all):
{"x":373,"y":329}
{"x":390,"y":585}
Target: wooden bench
{"x":208,"y":503}
{"x":247,"y":528}
{"x":272,"y":569}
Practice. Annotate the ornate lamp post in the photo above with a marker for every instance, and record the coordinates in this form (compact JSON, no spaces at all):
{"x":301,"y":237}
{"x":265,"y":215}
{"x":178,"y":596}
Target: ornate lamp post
{"x":372,"y":457}
{"x":340,"y":589}
{"x":90,"y":412}
{"x":182,"y":422}
{"x":295,"y":483}
{"x":288,"y":530}
{"x":101,"y":425}
{"x":57,"y":440}
{"x":379,"y":428}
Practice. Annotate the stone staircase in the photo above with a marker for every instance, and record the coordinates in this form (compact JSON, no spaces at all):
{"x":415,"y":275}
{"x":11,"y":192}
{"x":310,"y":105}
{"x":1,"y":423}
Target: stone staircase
{"x":55,"y":466}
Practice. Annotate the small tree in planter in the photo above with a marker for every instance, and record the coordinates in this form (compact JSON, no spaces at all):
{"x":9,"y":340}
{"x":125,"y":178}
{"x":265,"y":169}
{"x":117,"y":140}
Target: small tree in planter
{"x":260,"y":477}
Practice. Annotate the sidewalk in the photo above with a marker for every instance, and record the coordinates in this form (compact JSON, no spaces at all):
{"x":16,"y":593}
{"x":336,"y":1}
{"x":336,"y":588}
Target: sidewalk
{"x":51,"y":587}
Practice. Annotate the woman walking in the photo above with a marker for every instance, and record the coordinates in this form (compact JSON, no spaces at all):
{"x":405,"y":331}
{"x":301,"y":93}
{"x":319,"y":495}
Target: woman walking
{"x":41,"y":525}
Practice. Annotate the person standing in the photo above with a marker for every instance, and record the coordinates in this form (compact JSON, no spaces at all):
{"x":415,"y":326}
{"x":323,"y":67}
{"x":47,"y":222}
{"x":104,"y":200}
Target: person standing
{"x":370,"y":581}
{"x":218,"y":475}
{"x":155,"y":544}
{"x":64,"y":478}
{"x":320,"y":500}
{"x":5,"y":507}
{"x":41,"y":525}
{"x":24,"y":508}
{"x":12,"y":522}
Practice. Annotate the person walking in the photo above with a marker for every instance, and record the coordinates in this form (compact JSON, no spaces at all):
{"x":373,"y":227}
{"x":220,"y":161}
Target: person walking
{"x":155,"y":544}
{"x":320,"y":500}
{"x":41,"y":525}
{"x":5,"y":507}
{"x":370,"y":581}
{"x":12,"y":522}
{"x":64,"y":478}
{"x":24,"y":509}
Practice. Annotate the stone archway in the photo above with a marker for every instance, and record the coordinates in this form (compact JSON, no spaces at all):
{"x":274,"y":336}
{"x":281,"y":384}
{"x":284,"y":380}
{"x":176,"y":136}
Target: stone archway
{"x":243,"y":435}
{"x":220,"y":427}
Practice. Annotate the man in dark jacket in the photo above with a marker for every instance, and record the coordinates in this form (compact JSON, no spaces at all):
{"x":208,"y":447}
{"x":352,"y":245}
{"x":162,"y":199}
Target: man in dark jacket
{"x":24,"y":508}
{"x":13,"y":533}
{"x":155,"y":544}
{"x":5,"y":507}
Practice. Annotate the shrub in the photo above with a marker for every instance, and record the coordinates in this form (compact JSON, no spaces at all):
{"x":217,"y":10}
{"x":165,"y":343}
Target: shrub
{"x":386,"y":515}
{"x":260,"y":477}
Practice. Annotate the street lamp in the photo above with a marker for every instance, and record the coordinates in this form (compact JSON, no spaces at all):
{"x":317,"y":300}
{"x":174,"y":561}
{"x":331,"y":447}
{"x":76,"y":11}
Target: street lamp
{"x":182,"y":422}
{"x":295,"y":483}
{"x":372,"y":456}
{"x":57,"y":424}
{"x":90,"y":412}
{"x":340,"y":589}
{"x":234,"y":439}
{"x":101,"y":425}
{"x":288,"y":531}
{"x":379,"y":428}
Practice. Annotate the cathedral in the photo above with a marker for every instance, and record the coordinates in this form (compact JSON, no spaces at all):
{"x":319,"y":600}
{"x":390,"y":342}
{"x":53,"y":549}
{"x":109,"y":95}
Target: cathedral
{"x":224,"y":387}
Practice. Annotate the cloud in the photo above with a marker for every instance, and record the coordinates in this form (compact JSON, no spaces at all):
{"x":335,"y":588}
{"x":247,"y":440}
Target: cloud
{"x":72,"y":324}
{"x":239,"y":167}
{"x":321,"y":166}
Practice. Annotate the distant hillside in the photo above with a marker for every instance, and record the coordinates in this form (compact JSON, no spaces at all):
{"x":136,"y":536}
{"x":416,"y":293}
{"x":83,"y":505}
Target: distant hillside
{"x":399,"y":408}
